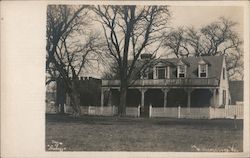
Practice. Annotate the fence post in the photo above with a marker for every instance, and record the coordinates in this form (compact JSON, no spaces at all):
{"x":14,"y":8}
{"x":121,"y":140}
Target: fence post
{"x":138,"y":111}
{"x":210,"y":112}
{"x":64,"y":108}
{"x":101,"y":110}
{"x":150,"y":110}
{"x":88,"y":110}
{"x":179,"y":111}
{"x":59,"y":108}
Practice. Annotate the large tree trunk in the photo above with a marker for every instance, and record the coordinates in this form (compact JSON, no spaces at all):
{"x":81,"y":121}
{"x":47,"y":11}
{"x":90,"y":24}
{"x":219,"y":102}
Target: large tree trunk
{"x":75,"y":100}
{"x":75,"y":104}
{"x":123,"y":98}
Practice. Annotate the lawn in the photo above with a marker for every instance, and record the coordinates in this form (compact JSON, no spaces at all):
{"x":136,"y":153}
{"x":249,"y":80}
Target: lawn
{"x":92,"y":133}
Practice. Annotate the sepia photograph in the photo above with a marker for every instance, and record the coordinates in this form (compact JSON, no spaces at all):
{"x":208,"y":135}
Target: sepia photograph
{"x":138,"y":79}
{"x":144,"y":78}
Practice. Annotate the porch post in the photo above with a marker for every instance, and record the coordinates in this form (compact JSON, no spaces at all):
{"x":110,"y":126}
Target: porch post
{"x":165,"y":91}
{"x":142,"y":96}
{"x":189,"y":91}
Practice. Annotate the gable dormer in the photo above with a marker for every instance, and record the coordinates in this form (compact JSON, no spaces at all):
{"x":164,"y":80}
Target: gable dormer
{"x":162,"y":70}
{"x":202,"y":68}
{"x":181,"y":69}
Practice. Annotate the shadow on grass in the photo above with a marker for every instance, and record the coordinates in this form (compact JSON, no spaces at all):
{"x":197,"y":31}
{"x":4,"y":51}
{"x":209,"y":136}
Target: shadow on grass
{"x":106,"y":120}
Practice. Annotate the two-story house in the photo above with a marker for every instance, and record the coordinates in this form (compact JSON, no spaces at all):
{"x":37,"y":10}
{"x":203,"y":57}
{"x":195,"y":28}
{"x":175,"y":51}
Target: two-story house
{"x":186,"y":82}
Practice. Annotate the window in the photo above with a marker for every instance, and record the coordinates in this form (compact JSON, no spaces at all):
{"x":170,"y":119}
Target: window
{"x":203,"y":70}
{"x":161,"y":72}
{"x":181,"y":71}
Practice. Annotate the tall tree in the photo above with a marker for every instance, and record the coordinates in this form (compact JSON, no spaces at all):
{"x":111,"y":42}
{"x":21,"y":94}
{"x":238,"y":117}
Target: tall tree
{"x":68,"y":45}
{"x":130,"y":31}
{"x":217,"y":38}
{"x":176,"y":42}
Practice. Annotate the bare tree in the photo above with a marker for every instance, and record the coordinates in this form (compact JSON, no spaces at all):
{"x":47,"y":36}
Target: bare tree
{"x":217,"y":38}
{"x":176,"y":42}
{"x":68,"y":45}
{"x":220,"y":38}
{"x":130,"y":31}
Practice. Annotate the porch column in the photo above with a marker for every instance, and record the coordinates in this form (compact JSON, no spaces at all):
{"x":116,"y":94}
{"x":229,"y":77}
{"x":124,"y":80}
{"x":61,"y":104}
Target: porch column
{"x":165,"y":91}
{"x":189,"y":91}
{"x":143,"y":90}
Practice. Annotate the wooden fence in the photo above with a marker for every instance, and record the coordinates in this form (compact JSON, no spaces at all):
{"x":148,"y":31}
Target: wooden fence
{"x":164,"y":112}
{"x":133,"y":111}
{"x":104,"y":111}
{"x":194,"y":113}
{"x":229,"y":111}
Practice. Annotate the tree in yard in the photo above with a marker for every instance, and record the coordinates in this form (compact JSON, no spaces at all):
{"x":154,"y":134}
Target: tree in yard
{"x":217,"y":38}
{"x":130,"y":31}
{"x":69,"y":43}
{"x":176,"y":42}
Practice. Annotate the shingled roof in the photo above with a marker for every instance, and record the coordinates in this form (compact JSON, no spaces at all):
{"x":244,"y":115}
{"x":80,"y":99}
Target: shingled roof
{"x":214,"y":65}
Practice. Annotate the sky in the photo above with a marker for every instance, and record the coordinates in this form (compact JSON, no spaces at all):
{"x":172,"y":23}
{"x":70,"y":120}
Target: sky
{"x":198,"y":16}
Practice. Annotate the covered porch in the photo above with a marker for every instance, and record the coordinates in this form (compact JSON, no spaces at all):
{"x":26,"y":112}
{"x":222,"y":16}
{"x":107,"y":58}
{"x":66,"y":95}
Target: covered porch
{"x":163,"y":97}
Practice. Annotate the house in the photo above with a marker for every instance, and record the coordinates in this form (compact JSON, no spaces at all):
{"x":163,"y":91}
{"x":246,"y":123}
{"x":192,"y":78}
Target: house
{"x":185,"y":82}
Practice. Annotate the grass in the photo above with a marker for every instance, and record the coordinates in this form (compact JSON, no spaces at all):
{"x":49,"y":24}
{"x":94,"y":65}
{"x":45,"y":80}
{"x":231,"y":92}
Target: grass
{"x":92,"y":133}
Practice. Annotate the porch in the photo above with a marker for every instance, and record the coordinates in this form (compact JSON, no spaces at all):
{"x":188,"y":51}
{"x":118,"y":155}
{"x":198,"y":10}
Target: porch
{"x":163,"y":97}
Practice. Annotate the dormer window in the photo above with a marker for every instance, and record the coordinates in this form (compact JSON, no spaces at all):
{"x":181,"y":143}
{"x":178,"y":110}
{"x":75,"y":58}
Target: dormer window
{"x":203,"y":70}
{"x":181,"y":71}
{"x":161,"y":72}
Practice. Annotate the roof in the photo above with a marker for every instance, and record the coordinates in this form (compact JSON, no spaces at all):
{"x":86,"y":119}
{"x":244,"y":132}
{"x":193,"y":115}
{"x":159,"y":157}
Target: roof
{"x":236,"y":91}
{"x":214,"y":65}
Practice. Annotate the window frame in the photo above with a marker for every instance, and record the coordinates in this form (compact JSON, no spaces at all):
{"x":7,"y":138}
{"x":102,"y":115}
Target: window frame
{"x":200,"y":71}
{"x":179,"y":72}
{"x":166,"y":72}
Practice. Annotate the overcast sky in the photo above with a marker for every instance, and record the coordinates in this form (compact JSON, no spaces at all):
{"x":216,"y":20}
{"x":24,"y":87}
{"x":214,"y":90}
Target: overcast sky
{"x":199,"y":16}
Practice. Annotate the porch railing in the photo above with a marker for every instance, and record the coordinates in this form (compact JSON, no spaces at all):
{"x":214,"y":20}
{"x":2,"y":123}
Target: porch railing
{"x":165,"y":82}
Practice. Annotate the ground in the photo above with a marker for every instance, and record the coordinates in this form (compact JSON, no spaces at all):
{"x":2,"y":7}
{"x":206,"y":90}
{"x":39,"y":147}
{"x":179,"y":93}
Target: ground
{"x":92,"y":133}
